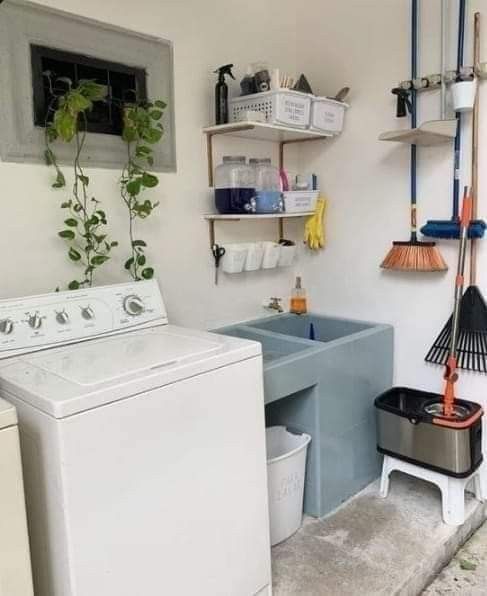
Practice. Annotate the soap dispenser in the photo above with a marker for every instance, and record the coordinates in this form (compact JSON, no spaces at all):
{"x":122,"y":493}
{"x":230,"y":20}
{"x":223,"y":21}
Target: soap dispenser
{"x":298,"y":304}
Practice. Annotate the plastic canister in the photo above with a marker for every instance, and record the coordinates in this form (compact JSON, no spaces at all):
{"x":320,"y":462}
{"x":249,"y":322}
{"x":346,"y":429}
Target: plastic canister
{"x":235,"y":186}
{"x":268,"y":197}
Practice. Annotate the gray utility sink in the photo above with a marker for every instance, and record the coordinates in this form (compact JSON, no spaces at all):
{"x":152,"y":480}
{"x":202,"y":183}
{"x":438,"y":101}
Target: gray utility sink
{"x":325,"y":387}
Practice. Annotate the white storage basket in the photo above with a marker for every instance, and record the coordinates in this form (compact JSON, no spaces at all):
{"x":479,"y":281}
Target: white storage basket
{"x":327,"y":115}
{"x":283,"y":106}
{"x":299,"y":201}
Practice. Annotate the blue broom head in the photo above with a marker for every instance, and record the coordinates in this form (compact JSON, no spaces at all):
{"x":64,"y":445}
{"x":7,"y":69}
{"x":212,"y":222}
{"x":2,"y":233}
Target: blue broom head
{"x":449,"y":228}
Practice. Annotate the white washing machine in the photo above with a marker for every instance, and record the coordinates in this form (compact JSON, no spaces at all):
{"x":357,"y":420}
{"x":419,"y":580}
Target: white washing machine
{"x":143,"y":447}
{"x":15,"y":573}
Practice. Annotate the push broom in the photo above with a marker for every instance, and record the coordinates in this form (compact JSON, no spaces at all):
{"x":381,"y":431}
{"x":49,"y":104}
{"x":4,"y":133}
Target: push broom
{"x":414,"y":255}
{"x":472,"y":318}
{"x":450,"y":228}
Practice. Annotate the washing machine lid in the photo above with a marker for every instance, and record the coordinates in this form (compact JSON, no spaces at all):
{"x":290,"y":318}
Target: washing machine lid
{"x":8,"y":415}
{"x":68,"y":380}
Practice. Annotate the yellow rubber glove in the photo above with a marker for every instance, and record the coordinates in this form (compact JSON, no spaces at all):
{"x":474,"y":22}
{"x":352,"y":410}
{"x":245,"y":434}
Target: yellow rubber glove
{"x":314,"y":230}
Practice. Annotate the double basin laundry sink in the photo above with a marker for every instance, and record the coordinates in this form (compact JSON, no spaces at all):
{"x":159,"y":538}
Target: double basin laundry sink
{"x":325,"y":387}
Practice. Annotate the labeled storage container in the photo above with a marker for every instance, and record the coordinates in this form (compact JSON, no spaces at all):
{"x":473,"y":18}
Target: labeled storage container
{"x":300,"y":201}
{"x":410,"y":426}
{"x":327,"y":115}
{"x":282,"y":106}
{"x":286,"y":467}
{"x":234,"y":258}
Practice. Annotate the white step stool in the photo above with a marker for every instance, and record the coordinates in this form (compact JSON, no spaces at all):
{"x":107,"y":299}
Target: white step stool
{"x":452,"y":489}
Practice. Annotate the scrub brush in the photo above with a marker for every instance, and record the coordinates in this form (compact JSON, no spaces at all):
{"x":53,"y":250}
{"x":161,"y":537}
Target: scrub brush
{"x":314,"y":230}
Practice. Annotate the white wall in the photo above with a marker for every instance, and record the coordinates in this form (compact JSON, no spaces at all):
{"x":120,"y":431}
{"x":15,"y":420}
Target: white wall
{"x":205,"y":35}
{"x":365,"y":44}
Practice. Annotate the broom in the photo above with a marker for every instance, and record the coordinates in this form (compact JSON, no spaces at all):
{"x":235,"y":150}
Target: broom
{"x":414,"y":255}
{"x":472,"y":324}
{"x":450,"y":228}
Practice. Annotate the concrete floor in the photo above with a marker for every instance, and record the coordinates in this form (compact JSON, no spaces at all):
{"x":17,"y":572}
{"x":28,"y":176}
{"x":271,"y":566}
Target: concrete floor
{"x":467,"y":572}
{"x":372,"y":546}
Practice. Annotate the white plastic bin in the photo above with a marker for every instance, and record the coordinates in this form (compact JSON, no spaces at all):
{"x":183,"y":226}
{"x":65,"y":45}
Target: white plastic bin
{"x":286,"y":256}
{"x":286,"y":466}
{"x":272,"y":251}
{"x":234,"y":258}
{"x":327,"y":115}
{"x":255,"y":254}
{"x":282,"y":106}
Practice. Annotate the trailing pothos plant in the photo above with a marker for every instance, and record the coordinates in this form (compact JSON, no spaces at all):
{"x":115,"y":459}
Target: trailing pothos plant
{"x":85,"y":229}
{"x":142,"y":130}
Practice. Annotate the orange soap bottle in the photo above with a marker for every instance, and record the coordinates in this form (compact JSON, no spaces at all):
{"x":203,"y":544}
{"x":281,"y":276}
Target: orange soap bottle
{"x":298,"y":304}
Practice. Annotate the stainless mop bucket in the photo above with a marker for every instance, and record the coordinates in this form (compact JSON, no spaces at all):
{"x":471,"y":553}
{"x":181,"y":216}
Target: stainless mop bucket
{"x":408,"y":428}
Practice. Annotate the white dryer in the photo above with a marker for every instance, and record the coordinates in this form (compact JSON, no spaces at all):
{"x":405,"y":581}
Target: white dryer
{"x":143,"y":447}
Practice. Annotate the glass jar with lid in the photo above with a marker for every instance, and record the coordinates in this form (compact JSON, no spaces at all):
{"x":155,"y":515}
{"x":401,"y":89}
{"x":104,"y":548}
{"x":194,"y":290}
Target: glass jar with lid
{"x":234,"y":186}
{"x":268,"y":196}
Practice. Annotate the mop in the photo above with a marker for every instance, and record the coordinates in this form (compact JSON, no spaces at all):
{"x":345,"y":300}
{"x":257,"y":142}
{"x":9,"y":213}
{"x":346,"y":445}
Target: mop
{"x":450,"y":228}
{"x":472,"y":317}
{"x":414,"y":255}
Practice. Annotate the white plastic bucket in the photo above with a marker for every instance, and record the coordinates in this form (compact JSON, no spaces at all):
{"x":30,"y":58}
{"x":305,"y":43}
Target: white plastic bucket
{"x":272,"y":250}
{"x":286,"y":466}
{"x":234,"y":258}
{"x":255,"y":254}
{"x":463,"y":95}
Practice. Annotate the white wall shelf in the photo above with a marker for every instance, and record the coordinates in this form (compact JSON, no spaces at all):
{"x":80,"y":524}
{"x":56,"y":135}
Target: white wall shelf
{"x":434,"y":132}
{"x":280,"y":217}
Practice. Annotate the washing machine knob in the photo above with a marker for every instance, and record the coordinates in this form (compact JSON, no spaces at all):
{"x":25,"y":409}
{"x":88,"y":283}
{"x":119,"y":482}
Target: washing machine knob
{"x":87,"y":313}
{"x":6,"y":326}
{"x":35,"y":321}
{"x":62,"y":317}
{"x":133,"y":305}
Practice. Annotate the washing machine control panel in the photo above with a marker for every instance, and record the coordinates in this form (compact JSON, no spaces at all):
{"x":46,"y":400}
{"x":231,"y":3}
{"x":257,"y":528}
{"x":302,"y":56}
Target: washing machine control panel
{"x":38,"y":322}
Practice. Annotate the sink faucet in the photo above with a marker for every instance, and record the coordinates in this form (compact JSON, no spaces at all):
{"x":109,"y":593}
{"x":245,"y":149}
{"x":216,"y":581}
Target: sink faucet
{"x":274,"y":304}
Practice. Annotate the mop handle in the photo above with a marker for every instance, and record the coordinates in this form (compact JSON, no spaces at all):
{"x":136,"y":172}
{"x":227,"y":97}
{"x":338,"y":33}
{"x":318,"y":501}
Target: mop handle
{"x":414,"y":104}
{"x":451,"y":375}
{"x":475,"y":149}
{"x":458,"y":136}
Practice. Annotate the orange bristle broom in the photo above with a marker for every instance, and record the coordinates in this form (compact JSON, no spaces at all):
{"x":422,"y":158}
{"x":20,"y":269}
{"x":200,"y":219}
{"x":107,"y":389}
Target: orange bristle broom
{"x":414,"y":255}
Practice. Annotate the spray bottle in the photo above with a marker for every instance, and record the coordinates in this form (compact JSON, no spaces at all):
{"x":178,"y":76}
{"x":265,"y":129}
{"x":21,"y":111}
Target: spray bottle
{"x":221,"y":94}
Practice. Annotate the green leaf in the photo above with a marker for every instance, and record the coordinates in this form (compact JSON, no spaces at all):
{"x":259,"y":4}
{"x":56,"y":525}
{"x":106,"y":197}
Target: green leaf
{"x":49,"y":157}
{"x":156,"y":114}
{"x":60,"y":180}
{"x":133,"y":187}
{"x":99,"y":260}
{"x":92,"y":90}
{"x":84,"y":180}
{"x":113,"y":243}
{"x":129,"y":134}
{"x":467,"y":565}
{"x":141,"y":260}
{"x":152,"y":135}
{"x":142,"y":151}
{"x":129,"y":263}
{"x":149,"y":180}
{"x":51,"y":133}
{"x":73,"y":285}
{"x":65,"y":124}
{"x":66,"y":204}
{"x":71,"y":222}
{"x":74,"y":255}
{"x":160,"y":104}
{"x":67,"y":234}
{"x":77,"y":102}
{"x":150,"y":160}
{"x":139,"y":243}
{"x":77,"y":208}
{"x":148,"y":273}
